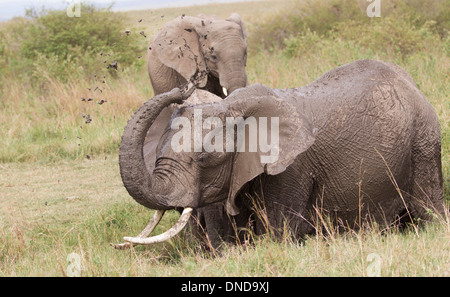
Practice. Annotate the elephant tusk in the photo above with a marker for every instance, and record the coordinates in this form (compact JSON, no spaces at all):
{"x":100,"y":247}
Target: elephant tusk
{"x":147,"y":230}
{"x":182,"y":221}
{"x":188,"y":89}
{"x":225,"y":92}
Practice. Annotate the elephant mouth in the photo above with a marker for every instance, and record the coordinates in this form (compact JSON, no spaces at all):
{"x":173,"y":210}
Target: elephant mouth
{"x":213,"y":85}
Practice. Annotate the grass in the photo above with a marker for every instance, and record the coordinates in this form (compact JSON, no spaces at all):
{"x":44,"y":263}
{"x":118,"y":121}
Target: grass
{"x":52,"y":211}
{"x":60,"y":188}
{"x":52,"y":126}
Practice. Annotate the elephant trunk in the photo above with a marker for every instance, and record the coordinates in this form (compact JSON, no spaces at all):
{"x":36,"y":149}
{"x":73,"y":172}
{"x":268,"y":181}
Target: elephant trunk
{"x":234,"y":77}
{"x":141,"y":184}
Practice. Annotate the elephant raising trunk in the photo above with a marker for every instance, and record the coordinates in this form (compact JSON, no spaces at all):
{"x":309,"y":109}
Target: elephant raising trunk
{"x":358,"y":118}
{"x":146,"y":188}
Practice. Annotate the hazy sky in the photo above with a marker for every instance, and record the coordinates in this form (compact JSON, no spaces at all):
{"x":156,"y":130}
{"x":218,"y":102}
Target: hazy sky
{"x":12,"y":8}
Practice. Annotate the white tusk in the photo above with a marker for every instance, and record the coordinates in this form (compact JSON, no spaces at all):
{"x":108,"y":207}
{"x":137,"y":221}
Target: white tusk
{"x":147,"y":230}
{"x":188,"y":88}
{"x":225,"y":92}
{"x":153,"y":223}
{"x":182,"y":221}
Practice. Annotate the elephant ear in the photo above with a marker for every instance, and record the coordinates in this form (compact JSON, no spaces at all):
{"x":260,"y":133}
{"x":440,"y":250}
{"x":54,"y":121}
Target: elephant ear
{"x":236,"y":18}
{"x":177,"y":46}
{"x":289,"y":134}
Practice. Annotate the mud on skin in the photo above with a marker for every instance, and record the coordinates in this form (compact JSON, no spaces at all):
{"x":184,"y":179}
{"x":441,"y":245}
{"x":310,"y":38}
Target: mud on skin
{"x":188,"y":46}
{"x":336,"y":159}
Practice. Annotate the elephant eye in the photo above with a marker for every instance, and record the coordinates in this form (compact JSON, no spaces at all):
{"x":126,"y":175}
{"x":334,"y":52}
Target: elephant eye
{"x":213,"y":57}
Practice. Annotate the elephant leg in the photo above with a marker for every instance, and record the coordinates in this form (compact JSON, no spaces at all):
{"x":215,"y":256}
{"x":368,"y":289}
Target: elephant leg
{"x":208,"y":224}
{"x":197,"y":227}
{"x":284,"y":202}
{"x":212,"y":226}
{"x":427,"y":193}
{"x":215,"y":218}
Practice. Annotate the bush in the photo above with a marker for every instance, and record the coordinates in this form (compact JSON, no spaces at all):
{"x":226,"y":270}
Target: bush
{"x":12,"y":35}
{"x":389,"y":36}
{"x":317,"y":16}
{"x":49,"y":44}
{"x":419,"y":12}
{"x":325,"y":17}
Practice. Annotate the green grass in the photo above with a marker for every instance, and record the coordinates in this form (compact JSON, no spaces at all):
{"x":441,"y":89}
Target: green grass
{"x":54,"y":201}
{"x":51,"y":211}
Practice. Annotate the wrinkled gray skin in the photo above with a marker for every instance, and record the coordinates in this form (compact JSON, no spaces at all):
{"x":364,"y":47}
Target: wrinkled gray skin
{"x":345,"y":140}
{"x":204,"y":48}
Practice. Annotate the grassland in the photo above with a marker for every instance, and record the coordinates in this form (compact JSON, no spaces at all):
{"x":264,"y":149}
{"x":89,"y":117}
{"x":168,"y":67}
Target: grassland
{"x":60,"y":189}
{"x":51,"y":211}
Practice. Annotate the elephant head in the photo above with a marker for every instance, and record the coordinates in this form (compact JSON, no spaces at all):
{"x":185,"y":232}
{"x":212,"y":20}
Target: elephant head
{"x":209,"y":51}
{"x":205,"y":154}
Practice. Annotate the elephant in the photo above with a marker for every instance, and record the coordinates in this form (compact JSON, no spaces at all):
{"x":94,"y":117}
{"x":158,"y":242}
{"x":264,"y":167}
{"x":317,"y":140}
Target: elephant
{"x":360,"y":144}
{"x":205,"y":50}
{"x":211,"y":51}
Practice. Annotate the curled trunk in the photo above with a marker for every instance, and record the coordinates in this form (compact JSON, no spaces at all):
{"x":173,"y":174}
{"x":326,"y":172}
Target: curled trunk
{"x":139,"y":183}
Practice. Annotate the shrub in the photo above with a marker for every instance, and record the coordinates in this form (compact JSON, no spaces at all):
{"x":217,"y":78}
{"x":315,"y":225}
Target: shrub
{"x":49,"y":44}
{"x":390,"y":35}
{"x":393,"y":37}
{"x":318,"y":16}
{"x":419,"y":12}
{"x":323,"y":17}
{"x":302,"y":44}
{"x":11,"y":36}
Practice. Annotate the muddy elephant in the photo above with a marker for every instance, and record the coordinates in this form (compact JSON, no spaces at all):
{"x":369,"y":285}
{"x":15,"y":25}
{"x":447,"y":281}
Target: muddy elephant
{"x":206,"y":49}
{"x":359,"y":144}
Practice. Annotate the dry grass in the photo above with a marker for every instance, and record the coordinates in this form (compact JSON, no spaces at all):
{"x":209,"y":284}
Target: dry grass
{"x":53,"y":125}
{"x":54,"y":201}
{"x":251,"y":12}
{"x":51,"y":211}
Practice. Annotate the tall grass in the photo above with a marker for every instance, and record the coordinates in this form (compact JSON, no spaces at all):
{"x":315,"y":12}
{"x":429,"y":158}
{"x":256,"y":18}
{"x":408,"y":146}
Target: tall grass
{"x":53,"y":126}
{"x":38,"y":237}
{"x":55,"y":71}
{"x":48,"y":44}
{"x":42,"y":84}
{"x":55,"y":201}
{"x":324,"y":17}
